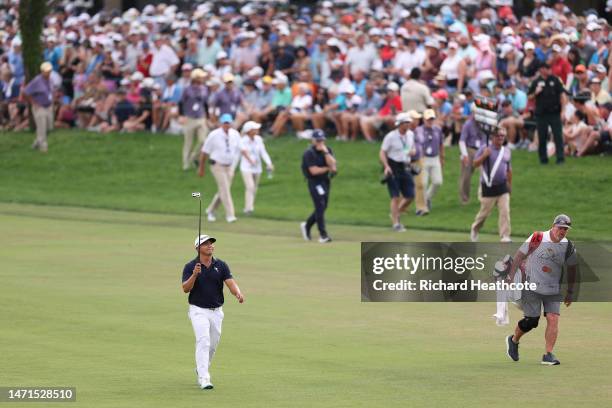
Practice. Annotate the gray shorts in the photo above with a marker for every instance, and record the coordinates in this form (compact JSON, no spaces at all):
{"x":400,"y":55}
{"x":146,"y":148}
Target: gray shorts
{"x":532,"y":303}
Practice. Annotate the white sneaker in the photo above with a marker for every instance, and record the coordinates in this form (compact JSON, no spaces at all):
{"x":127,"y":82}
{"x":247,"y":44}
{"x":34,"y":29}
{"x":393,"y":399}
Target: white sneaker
{"x":399,"y":228}
{"x":211,"y":217}
{"x":206,"y":385}
{"x":506,"y":239}
{"x":473,"y":235}
{"x":231,"y":219}
{"x":305,"y":233}
{"x":324,"y":240}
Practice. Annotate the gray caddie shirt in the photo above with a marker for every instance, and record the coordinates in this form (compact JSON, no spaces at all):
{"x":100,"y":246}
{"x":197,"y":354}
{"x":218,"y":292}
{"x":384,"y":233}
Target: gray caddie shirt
{"x":545,"y":264}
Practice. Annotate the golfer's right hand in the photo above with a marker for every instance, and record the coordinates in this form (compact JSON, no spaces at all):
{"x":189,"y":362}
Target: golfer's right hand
{"x":388,"y":171}
{"x":465,"y":160}
{"x":197,"y":270}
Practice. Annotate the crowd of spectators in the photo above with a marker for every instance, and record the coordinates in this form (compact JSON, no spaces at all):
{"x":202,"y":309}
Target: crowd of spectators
{"x":351,"y":69}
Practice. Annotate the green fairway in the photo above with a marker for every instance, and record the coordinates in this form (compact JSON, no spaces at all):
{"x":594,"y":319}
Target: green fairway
{"x":92,"y":299}
{"x":141,"y":172}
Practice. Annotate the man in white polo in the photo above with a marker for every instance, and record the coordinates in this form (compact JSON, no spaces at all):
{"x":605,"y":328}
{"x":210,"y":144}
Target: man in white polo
{"x":223,"y":148}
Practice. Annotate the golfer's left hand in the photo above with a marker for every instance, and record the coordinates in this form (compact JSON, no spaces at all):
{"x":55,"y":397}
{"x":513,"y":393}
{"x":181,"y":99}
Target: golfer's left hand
{"x":568,"y":299}
{"x":240,"y":297}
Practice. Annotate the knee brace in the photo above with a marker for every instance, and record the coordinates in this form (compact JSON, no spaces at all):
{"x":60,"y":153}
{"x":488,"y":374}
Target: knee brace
{"x":528,"y":323}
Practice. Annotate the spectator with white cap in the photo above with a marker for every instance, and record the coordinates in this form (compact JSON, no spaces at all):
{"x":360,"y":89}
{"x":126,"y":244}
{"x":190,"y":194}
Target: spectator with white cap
{"x":395,"y":152}
{"x":39,"y":93}
{"x":222,"y":146}
{"x":194,"y":104}
{"x":253,"y":151}
{"x":391,"y":106}
{"x":299,"y":111}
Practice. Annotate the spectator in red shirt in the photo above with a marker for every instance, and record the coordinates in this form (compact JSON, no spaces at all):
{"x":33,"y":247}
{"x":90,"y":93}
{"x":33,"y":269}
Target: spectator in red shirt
{"x":386,"y":115}
{"x":559,"y":64}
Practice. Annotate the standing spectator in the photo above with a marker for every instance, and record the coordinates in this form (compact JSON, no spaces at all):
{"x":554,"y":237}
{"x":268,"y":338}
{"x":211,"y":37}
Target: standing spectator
{"x":415,"y":94}
{"x":431,"y":139}
{"x":472,"y":138}
{"x":253,"y":152}
{"x":395,"y":152}
{"x":223,"y":148}
{"x":559,"y":65}
{"x":194,"y":101}
{"x":318,"y":166}
{"x":164,"y":59}
{"x":495,"y":182}
{"x":39,"y":94}
{"x":548,"y":92}
{"x":208,"y":48}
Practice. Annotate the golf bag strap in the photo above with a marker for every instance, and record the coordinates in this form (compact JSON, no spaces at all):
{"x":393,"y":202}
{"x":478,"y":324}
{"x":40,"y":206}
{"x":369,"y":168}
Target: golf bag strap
{"x":534,"y":243}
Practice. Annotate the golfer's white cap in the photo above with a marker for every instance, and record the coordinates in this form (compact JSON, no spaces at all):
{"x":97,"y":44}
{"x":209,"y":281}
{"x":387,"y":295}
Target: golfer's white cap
{"x":202,"y":239}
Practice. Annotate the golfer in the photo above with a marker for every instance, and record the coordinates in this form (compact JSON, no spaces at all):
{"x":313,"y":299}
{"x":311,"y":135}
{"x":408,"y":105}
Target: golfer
{"x":395,"y":151}
{"x":223,"y":148}
{"x":318,"y":166}
{"x":203,"y":279}
{"x":253,"y":152}
{"x":546,"y":253}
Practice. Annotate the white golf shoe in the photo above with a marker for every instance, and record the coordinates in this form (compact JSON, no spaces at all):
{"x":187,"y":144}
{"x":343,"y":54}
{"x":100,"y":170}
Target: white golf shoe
{"x":211,"y":217}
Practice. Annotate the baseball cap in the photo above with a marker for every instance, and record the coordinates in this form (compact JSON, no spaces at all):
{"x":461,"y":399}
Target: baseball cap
{"x":267,"y":79}
{"x":563,"y":221}
{"x":429,"y":114}
{"x":226,"y":118}
{"x":414,"y":114}
{"x":202,"y":239}
{"x":580,"y":68}
{"x":601,"y":68}
{"x":46,"y":67}
{"x":228,"y":77}
{"x":529,"y":45}
{"x":440,"y":94}
{"x":250,"y":125}
{"x":392,"y":86}
{"x":198,"y":74}
{"x":403,"y":117}
{"x":318,"y":134}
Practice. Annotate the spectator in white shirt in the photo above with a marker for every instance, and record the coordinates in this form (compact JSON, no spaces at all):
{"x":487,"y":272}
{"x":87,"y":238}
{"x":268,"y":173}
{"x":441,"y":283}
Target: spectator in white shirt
{"x":299,"y":111}
{"x":253,"y":152}
{"x":164,"y":60}
{"x":223,"y":148}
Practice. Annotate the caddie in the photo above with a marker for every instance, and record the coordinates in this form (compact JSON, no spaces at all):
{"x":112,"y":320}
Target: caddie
{"x":545,"y":254}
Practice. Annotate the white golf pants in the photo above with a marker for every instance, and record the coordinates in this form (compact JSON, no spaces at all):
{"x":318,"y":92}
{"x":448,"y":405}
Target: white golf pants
{"x":207,"y":329}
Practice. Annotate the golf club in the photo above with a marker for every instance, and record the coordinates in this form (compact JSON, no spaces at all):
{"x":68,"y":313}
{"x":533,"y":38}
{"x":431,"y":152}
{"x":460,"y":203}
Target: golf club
{"x":198,"y":195}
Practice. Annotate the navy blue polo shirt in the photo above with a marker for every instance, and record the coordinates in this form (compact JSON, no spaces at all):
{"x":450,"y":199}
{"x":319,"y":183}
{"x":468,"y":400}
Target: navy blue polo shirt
{"x":313,"y":157}
{"x":207,"y":290}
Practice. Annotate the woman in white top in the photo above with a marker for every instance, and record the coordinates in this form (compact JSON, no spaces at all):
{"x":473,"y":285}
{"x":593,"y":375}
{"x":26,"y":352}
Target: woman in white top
{"x":253,"y":152}
{"x":299,"y":111}
{"x":450,"y":65}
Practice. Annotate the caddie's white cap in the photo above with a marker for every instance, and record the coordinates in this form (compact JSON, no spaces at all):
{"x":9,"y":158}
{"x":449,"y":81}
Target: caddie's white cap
{"x":202,"y":239}
{"x":403,"y":117}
